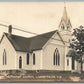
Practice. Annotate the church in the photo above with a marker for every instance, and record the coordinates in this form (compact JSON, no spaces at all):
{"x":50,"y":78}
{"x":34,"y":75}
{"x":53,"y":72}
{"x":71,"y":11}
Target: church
{"x":47,"y":51}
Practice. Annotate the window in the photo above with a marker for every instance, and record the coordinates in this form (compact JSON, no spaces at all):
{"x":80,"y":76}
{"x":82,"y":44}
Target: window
{"x":20,"y":62}
{"x":33,"y":58}
{"x":27,"y":58}
{"x":68,"y":27}
{"x":62,"y":27}
{"x":56,"y":60}
{"x":67,"y":62}
{"x":4,"y":57}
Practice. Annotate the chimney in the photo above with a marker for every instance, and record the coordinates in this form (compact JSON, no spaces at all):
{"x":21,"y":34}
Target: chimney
{"x":10,"y":30}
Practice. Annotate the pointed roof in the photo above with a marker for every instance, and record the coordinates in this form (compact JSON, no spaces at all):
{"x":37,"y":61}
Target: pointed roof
{"x":65,"y":17}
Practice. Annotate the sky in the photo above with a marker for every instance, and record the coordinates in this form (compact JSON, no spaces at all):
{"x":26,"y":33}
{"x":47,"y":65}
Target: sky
{"x":38,"y":17}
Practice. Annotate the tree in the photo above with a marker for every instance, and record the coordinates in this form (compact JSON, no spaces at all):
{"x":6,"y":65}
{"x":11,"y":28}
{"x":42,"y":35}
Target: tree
{"x":78,"y":43}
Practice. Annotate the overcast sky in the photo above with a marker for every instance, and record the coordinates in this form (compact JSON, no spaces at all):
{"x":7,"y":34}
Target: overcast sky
{"x":38,"y":17}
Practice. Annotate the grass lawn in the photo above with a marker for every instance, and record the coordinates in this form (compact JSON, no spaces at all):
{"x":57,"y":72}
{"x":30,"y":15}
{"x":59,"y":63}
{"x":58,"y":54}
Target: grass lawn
{"x":48,"y":76}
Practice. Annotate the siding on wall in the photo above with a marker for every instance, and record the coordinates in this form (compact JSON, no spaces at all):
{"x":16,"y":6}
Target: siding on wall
{"x":68,"y":68}
{"x":48,"y":52}
{"x":66,"y":35}
{"x":38,"y":60}
{"x":11,"y":55}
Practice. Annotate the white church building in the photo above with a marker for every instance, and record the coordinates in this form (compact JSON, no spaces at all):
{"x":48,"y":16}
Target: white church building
{"x":47,"y":51}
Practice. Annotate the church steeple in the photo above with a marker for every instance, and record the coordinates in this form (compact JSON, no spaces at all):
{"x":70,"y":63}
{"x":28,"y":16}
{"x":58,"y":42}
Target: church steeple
{"x":65,"y":17}
{"x":65,"y":26}
{"x":65,"y":23}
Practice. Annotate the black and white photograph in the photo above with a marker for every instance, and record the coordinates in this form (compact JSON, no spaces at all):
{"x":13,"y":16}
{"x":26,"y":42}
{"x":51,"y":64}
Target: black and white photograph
{"x":42,"y":41}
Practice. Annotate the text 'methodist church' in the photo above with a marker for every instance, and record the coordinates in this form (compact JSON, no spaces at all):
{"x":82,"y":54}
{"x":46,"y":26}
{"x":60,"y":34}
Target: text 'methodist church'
{"x":46,"y":51}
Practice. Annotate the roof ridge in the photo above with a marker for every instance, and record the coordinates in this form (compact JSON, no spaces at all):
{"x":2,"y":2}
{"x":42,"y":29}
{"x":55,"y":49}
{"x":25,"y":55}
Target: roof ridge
{"x":15,"y":35}
{"x":44,"y":33}
{"x":32,"y":36}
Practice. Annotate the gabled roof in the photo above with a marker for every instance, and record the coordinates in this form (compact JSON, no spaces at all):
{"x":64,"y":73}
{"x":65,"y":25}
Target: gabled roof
{"x":29,"y":44}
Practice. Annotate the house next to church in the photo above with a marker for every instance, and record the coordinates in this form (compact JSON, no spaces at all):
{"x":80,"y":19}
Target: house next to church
{"x":46,"y":51}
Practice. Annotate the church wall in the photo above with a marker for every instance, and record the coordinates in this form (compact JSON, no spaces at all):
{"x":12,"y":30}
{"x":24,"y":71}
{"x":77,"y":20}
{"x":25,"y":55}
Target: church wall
{"x":68,"y":67}
{"x":66,"y":37}
{"x":30,"y":66}
{"x":39,"y":61}
{"x":83,"y":66}
{"x":10,"y":55}
{"x":48,"y":53}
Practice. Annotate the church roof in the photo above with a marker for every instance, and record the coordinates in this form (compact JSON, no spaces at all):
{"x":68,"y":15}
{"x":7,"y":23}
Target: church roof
{"x":29,"y":44}
{"x":71,"y":53}
{"x":65,"y":18}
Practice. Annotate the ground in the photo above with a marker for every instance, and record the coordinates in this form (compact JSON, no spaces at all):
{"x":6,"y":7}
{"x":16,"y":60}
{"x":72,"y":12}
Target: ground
{"x":49,"y":76}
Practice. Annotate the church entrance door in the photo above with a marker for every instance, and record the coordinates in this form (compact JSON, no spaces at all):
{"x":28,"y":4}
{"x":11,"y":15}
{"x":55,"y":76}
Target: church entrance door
{"x":20,"y":62}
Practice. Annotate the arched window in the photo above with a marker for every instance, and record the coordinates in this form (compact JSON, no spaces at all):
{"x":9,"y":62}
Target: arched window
{"x":33,"y":58}
{"x":62,"y":27}
{"x":27,"y":58}
{"x":56,"y":57}
{"x":4,"y":57}
{"x":20,"y":62}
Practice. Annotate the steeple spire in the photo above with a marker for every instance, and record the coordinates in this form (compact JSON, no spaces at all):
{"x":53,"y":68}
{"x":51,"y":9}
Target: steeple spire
{"x":64,"y":4}
{"x":65,"y":23}
{"x":65,"y":17}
